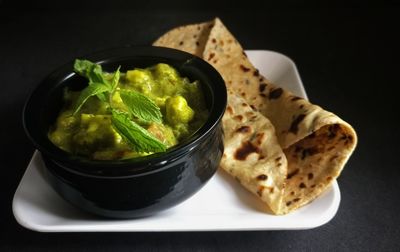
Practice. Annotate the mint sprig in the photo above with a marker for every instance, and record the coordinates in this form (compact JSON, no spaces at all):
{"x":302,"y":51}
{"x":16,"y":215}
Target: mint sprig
{"x":141,"y":107}
{"x":138,"y":138}
{"x":115,"y":80}
{"x":91,"y":90}
{"x":94,"y":73}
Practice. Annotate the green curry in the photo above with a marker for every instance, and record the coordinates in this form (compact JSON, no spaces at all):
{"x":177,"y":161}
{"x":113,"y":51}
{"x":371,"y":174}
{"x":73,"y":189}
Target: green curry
{"x":126,"y":115}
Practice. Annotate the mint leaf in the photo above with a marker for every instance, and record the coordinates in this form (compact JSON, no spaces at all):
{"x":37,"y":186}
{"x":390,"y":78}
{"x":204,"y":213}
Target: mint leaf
{"x":115,"y":79}
{"x":137,"y":137}
{"x":94,"y":73}
{"x":91,"y":71}
{"x":91,"y":90}
{"x":141,"y":106}
{"x":82,"y":67}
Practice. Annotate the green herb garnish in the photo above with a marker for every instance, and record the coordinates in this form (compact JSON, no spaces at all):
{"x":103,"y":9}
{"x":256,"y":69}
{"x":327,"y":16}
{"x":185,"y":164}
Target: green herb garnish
{"x":94,"y":73}
{"x":91,"y":90}
{"x":141,"y":107}
{"x":138,"y":105}
{"x":115,"y":80}
{"x":138,"y":138}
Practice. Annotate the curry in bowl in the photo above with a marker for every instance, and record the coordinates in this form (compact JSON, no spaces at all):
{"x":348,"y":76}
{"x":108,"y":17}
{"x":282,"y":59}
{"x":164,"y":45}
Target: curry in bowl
{"x":133,"y":131}
{"x":121,"y":115}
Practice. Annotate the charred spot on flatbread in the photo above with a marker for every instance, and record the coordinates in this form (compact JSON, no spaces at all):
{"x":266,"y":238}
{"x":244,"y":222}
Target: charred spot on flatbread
{"x":294,"y":127}
{"x":295,"y":98}
{"x":262,"y":87}
{"x":244,"y":129}
{"x":262,"y":177}
{"x":245,"y":150}
{"x":275,"y":93}
{"x":293,"y":173}
{"x":244,"y":69}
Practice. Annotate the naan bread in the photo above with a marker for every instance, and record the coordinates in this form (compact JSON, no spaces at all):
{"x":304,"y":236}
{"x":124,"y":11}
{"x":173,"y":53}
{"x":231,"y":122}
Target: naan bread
{"x":316,"y":143}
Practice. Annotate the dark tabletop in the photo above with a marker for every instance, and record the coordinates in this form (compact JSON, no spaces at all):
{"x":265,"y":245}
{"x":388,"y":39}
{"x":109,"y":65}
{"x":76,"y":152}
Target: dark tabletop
{"x":348,"y":58}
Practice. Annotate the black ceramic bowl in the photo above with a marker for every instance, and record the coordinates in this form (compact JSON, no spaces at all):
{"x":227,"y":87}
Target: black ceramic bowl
{"x":135,"y":187}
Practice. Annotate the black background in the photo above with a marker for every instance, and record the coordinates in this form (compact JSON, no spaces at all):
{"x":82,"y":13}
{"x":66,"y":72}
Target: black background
{"x":348,"y":58}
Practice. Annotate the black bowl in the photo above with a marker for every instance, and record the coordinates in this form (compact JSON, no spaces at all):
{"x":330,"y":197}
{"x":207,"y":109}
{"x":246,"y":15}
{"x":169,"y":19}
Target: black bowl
{"x":135,"y":187}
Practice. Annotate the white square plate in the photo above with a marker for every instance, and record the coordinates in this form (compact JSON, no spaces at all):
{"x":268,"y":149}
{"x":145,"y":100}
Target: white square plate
{"x":222,"y":204}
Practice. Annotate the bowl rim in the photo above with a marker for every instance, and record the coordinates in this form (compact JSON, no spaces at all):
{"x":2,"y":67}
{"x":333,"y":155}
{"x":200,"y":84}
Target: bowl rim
{"x":134,"y":166}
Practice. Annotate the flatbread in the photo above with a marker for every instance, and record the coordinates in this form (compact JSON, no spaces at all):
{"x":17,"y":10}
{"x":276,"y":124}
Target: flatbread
{"x":189,"y":38}
{"x":252,"y":154}
{"x":316,"y":143}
